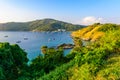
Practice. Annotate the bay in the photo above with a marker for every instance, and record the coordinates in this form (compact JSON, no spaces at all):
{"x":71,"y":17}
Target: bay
{"x":31,"y":42}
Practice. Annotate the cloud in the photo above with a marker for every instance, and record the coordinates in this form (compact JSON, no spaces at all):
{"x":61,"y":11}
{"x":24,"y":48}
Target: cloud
{"x":91,"y":20}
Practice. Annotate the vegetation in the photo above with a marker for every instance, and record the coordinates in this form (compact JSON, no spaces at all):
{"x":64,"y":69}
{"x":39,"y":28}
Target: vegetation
{"x":44,"y":64}
{"x":94,"y":32}
{"x":13,"y":62}
{"x":39,"y":25}
{"x":98,"y":60}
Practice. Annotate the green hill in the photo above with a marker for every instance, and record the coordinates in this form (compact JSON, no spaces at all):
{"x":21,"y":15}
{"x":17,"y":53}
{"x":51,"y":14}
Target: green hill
{"x":98,"y":60}
{"x":39,"y":25}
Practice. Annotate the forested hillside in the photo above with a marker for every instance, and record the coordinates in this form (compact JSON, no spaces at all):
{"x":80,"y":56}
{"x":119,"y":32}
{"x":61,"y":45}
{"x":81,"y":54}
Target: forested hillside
{"x":95,"y":60}
{"x":39,"y":25}
{"x":98,"y":60}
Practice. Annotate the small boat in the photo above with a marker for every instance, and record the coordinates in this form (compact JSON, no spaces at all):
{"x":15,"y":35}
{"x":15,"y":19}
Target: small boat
{"x":18,"y":42}
{"x":53,"y":38}
{"x":25,"y":38}
{"x":49,"y":39}
{"x":6,"y":36}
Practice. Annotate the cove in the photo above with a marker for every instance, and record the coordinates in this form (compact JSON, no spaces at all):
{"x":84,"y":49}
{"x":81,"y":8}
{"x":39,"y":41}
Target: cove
{"x":31,"y":42}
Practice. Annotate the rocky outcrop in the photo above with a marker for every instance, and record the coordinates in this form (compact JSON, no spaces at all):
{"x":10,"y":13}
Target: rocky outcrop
{"x":65,"y":46}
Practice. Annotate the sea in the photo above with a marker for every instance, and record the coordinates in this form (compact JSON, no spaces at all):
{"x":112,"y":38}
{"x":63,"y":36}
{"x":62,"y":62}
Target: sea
{"x":32,"y":42}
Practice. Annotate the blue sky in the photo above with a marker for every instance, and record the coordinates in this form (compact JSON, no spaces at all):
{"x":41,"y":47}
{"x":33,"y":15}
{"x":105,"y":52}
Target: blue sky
{"x":74,"y":11}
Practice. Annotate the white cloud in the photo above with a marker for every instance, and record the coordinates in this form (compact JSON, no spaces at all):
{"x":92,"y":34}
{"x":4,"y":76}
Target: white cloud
{"x":91,"y":19}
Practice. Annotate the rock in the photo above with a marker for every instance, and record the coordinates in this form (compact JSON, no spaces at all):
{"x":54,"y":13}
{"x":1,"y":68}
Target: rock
{"x":65,"y":46}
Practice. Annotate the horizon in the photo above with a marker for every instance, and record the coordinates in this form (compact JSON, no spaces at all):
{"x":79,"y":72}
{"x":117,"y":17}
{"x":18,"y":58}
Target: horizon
{"x":82,"y":12}
{"x":58,"y":20}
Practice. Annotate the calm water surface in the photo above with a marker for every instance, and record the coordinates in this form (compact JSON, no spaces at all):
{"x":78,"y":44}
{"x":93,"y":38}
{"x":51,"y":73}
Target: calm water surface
{"x":35,"y":40}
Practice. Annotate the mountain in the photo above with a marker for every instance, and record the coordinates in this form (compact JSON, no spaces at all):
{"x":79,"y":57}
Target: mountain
{"x":39,"y":25}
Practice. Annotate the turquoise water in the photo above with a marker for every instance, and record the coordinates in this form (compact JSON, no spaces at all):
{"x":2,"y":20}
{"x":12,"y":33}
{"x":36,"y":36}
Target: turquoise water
{"x":35,"y":40}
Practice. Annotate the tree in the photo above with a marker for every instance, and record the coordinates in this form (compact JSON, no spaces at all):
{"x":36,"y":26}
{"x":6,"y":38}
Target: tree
{"x":44,"y":49}
{"x":13,"y":61}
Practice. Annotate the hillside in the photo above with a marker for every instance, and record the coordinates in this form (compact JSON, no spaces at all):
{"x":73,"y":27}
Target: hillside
{"x":98,"y":60}
{"x":39,"y":25}
{"x":94,"y":32}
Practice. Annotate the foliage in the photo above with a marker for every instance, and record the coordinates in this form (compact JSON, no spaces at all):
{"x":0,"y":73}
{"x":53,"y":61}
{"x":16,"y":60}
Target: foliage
{"x":44,"y":49}
{"x":78,"y":42}
{"x":44,"y":64}
{"x":59,"y":73}
{"x":108,"y":27}
{"x":13,"y":61}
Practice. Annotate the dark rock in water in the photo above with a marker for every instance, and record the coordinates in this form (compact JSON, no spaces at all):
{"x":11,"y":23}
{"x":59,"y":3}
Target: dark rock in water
{"x":65,"y":46}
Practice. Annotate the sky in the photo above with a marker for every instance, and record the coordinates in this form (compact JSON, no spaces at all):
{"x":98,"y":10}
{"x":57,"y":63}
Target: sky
{"x":73,"y":11}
